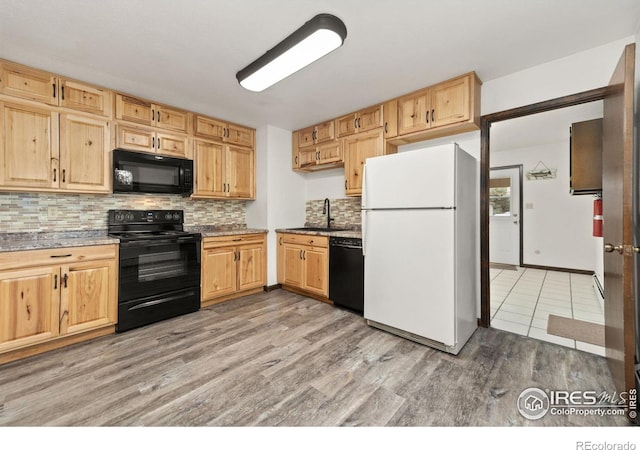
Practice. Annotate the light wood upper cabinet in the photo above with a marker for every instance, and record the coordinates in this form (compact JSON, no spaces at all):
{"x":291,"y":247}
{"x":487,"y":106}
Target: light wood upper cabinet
{"x":41,"y":301}
{"x":83,"y":97}
{"x":144,"y":112}
{"x":25,"y":82}
{"x":316,"y":134}
{"x":32,"y":84}
{"x":364,"y":120}
{"x":223,"y":170}
{"x":232,"y":265}
{"x":357,"y":149}
{"x":212,"y":129}
{"x":84,"y":154}
{"x":450,"y":106}
{"x":390,"y":114}
{"x":147,"y":139}
{"x":29,"y":149}
{"x":240,"y":172}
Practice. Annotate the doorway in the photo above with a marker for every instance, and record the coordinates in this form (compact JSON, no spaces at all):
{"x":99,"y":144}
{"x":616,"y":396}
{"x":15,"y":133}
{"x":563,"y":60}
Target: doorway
{"x":505,"y":216}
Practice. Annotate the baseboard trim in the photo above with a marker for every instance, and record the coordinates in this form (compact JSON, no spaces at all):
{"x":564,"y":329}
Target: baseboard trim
{"x":558,"y":269}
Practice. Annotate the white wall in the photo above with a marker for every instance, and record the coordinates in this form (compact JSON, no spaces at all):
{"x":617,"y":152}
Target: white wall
{"x":325,"y":184}
{"x":557,"y":226}
{"x":280,"y":192}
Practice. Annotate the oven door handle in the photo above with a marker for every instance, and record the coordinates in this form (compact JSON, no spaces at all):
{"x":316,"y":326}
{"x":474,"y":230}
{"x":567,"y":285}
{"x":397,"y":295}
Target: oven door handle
{"x":157,"y":242}
{"x":157,"y":302}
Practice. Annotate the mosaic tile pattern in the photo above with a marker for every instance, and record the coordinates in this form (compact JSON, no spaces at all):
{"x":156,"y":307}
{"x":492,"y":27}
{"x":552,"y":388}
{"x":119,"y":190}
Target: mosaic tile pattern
{"x":345,"y":211}
{"x":21,"y":212}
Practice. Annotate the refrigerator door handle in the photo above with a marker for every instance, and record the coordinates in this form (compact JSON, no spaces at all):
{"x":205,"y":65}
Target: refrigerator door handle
{"x":364,"y":186}
{"x":364,"y":231}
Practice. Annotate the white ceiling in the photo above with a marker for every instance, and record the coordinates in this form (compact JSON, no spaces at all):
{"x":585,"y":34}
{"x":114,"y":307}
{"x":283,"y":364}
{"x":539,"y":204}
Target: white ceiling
{"x":186,"y":52}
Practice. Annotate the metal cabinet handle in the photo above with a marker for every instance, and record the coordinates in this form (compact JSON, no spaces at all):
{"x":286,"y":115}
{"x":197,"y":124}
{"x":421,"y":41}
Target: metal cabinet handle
{"x":153,"y":115}
{"x":64,"y":175}
{"x":345,"y":184}
{"x":304,"y":255}
{"x":427,"y":116}
{"x":386,"y":127}
{"x":54,"y":175}
{"x":53,"y":86}
{"x":280,"y":240}
{"x":296,"y":160}
{"x":300,"y":254}
{"x":61,"y":256}
{"x":55,"y":281}
{"x":64,"y":280}
{"x":159,"y":138}
{"x":158,"y":116}
{"x":359,"y":126}
{"x":153,"y":142}
{"x":433,"y":113}
{"x":62,"y":92}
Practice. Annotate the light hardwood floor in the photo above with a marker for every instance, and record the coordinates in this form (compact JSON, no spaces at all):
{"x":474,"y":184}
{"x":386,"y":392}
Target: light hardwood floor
{"x":280,"y":359}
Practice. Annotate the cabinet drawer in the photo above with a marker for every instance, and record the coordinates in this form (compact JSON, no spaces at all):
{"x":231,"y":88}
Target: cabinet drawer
{"x":64,"y":255}
{"x":306,"y":239}
{"x":233,"y":240}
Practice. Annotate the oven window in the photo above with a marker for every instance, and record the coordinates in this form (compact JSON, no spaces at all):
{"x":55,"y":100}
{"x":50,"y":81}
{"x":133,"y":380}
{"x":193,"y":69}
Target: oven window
{"x":158,"y":266}
{"x":152,"y":173}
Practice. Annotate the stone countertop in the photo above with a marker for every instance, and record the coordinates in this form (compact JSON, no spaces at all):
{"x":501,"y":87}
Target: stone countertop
{"x":223,"y":230}
{"x":336,"y":233}
{"x":13,"y":242}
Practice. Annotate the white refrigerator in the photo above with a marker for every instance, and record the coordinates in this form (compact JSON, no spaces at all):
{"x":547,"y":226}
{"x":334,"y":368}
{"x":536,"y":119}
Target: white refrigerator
{"x":419,"y":234}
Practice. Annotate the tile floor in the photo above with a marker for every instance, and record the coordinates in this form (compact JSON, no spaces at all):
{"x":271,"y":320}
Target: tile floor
{"x":522,"y":299}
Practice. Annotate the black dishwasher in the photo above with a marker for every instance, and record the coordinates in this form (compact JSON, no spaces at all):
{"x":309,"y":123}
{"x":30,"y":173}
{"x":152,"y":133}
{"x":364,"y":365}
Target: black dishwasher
{"x":346,"y":273}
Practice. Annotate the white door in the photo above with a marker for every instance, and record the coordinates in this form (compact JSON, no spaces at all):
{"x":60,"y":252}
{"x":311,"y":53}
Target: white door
{"x":504,"y":216}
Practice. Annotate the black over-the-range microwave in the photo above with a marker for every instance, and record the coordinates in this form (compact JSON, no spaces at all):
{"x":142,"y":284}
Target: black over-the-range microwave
{"x":139,"y":173}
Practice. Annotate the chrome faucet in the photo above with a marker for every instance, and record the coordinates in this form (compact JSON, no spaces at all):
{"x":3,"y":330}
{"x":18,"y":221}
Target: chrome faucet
{"x":326,"y":209}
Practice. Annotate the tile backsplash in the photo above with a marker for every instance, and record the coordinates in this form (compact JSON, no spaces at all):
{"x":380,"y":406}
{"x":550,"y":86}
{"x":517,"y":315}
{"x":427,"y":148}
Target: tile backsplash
{"x":20,"y":212}
{"x":345,"y":211}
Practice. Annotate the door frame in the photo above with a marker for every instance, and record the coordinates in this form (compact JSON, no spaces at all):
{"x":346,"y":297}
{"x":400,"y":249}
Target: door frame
{"x":520,"y":209}
{"x":485,"y":126}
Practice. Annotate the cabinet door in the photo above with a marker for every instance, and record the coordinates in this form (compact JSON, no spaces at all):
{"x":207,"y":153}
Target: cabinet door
{"x":330,"y":153}
{"x":292,"y":265}
{"x":238,"y":135}
{"x":306,"y":137}
{"x":170,"y":118}
{"x":316,"y":270}
{"x":83,"y":97}
{"x":390,"y":114}
{"x":84,"y":154}
{"x":133,"y":138}
{"x":209,"y":162}
{"x":88,"y":296}
{"x":25,"y":82}
{"x":346,"y":125}
{"x":29,"y":305}
{"x":29,"y":147}
{"x":370,"y":118}
{"x":280,"y":257}
{"x":218,"y":272}
{"x":450,"y":102}
{"x":210,"y":128}
{"x":412,"y":112}
{"x":295,"y":157}
{"x":324,"y":132}
{"x":240,"y":172}
{"x":133,"y":109}
{"x":251,"y":266}
{"x":357,"y":149}
{"x":172,"y":145}
{"x":308,"y":157}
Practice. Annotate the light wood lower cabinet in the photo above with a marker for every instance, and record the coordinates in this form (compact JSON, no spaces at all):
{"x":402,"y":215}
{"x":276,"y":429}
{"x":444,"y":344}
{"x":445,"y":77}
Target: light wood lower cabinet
{"x":303,"y":263}
{"x":233,"y":266}
{"x":50,"y":298}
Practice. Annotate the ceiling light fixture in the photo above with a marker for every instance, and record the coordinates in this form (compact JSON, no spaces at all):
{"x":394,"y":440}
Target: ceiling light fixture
{"x":316,"y":38}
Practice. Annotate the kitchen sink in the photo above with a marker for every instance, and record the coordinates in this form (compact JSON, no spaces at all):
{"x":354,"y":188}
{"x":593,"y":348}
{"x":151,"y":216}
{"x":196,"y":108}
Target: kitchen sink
{"x":317,"y":229}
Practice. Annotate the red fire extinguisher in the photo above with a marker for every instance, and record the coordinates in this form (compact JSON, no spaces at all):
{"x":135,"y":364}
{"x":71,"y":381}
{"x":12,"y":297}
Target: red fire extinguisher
{"x":597,"y":217}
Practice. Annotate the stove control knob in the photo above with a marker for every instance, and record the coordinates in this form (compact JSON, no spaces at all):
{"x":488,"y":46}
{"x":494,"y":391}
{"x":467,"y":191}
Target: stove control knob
{"x":129,"y":216}
{"x":176,"y":216}
{"x":118,"y":217}
{"x":167,"y":216}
